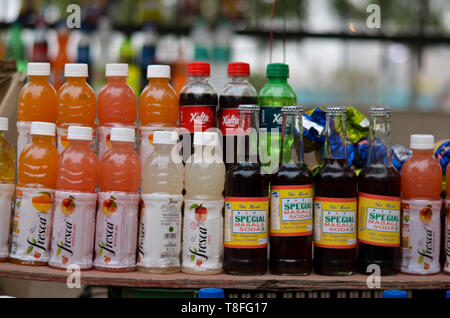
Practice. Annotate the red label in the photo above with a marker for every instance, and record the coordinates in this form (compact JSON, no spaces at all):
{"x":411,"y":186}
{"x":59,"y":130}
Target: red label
{"x":204,"y":116}
{"x":228,"y":120}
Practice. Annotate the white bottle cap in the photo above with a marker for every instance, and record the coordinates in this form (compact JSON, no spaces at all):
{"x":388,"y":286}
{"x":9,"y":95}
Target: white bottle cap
{"x":122,"y":134}
{"x":421,"y":141}
{"x":158,"y":71}
{"x":38,"y":69}
{"x":116,"y":69}
{"x":76,"y":70}
{"x":206,"y":139}
{"x":3,"y":123}
{"x":42,"y":128}
{"x":79,"y":133}
{"x":166,"y":137}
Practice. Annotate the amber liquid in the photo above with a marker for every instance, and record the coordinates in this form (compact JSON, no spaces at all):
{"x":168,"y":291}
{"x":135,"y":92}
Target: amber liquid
{"x":379,"y":180}
{"x":291,"y":255}
{"x":245,"y":180}
{"x":335,"y":180}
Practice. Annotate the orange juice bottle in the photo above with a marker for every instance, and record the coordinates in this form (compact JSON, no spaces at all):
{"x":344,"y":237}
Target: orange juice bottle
{"x":117,"y":105}
{"x":37,"y":102}
{"x":61,"y":58}
{"x":75,"y":202}
{"x":421,"y":184}
{"x":76,"y":103}
{"x":34,"y":197}
{"x":158,"y":107}
{"x":118,"y":201}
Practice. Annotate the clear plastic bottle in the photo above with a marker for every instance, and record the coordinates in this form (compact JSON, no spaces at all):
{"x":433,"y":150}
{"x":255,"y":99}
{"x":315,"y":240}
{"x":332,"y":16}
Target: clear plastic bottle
{"x":7,"y":171}
{"x":203,"y":204}
{"x":159,"y":242}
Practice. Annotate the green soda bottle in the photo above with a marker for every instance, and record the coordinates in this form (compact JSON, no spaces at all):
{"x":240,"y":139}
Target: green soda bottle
{"x":275,"y":94}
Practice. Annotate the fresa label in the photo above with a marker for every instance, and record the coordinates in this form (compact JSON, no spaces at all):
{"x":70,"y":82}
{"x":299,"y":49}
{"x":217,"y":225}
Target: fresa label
{"x":202,"y":116}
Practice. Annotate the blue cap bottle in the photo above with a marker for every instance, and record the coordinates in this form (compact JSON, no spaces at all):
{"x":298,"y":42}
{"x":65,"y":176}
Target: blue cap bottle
{"x":447,"y":294}
{"x":211,"y":293}
{"x":394,"y":293}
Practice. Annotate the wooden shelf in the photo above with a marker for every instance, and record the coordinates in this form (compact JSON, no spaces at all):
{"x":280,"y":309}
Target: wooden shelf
{"x":265,"y":282}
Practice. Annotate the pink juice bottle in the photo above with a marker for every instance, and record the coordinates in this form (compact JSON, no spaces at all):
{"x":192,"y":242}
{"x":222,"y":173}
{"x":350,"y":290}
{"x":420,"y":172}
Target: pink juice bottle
{"x":118,"y":201}
{"x":75,"y":202}
{"x":117,"y":105}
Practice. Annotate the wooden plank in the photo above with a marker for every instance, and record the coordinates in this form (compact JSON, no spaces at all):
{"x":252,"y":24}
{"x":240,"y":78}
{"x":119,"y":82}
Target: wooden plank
{"x":264,"y":282}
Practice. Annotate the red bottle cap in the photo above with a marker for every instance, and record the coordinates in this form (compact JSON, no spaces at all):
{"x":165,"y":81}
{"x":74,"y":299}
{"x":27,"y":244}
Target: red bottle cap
{"x":199,"y":68}
{"x":239,"y":68}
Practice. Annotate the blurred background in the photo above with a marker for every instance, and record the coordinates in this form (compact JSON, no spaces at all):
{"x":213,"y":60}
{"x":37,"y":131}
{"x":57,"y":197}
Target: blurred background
{"x":334,"y":57}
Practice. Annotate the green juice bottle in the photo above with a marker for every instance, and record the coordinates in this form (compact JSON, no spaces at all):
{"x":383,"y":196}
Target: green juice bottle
{"x":275,"y":94}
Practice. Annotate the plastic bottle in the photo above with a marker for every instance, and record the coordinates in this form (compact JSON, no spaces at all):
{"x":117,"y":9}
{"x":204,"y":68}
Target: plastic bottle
{"x":203,"y":221}
{"x":211,"y":293}
{"x":118,"y":201}
{"x":103,"y":37}
{"x":394,"y":293}
{"x":61,"y":59}
{"x":128,"y":55}
{"x":221,"y":53}
{"x":274,"y":94}
{"x":158,"y":107}
{"x":37,"y":102}
{"x":34,"y":197}
{"x":159,"y":243}
{"x":16,"y":47}
{"x":238,"y":91}
{"x":7,"y":175}
{"x":147,"y":55}
{"x":40,"y":46}
{"x":421,"y":182}
{"x":77,"y":103}
{"x":117,"y":105}
{"x":75,"y":202}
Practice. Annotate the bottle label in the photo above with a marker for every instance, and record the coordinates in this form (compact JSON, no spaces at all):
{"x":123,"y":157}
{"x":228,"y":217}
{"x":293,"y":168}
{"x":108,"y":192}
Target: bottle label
{"x":73,"y":229}
{"x":228,"y":120}
{"x":159,"y":242}
{"x":271,"y":117}
{"x":379,"y":220}
{"x":447,"y":237}
{"x":246,"y":222}
{"x":23,"y":135}
{"x":421,"y":236}
{"x":104,"y":134}
{"x":146,"y":147}
{"x":335,"y":222}
{"x":202,"y":235}
{"x":32,"y":224}
{"x":291,"y":210}
{"x":116,"y":229}
{"x":6,"y":195}
{"x":63,"y":142}
{"x":204,"y":116}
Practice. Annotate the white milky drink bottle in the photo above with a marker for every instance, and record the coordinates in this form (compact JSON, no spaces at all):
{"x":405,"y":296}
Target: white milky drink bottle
{"x":159,"y":241}
{"x":204,"y":173}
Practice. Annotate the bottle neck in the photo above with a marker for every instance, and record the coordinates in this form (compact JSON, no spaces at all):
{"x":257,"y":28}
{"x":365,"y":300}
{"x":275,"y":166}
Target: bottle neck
{"x":292,"y":138}
{"x":38,"y":79}
{"x":380,"y":140}
{"x":247,"y":140}
{"x":117,"y":80}
{"x":201,"y":79}
{"x":121,"y":145}
{"x":238,"y":79}
{"x":422,"y":152}
{"x":277,"y":80}
{"x":335,"y":146}
{"x":39,"y":139}
{"x":158,"y":81}
{"x":76,"y":80}
{"x":79,"y":143}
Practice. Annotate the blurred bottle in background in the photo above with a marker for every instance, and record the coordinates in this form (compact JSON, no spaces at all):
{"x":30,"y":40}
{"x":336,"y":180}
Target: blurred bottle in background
{"x":40,"y":46}
{"x":221,"y":54}
{"x":201,"y":37}
{"x":84,"y":50}
{"x":147,"y":56}
{"x":61,"y":58}
{"x":104,"y":36}
{"x":16,"y":47}
{"x":128,"y":55}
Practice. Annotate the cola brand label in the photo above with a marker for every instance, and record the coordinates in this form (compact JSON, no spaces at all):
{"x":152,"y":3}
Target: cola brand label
{"x":203,"y":116}
{"x":228,"y":120}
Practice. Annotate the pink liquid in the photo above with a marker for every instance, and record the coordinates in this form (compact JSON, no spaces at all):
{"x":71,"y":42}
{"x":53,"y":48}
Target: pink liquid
{"x":117,"y":102}
{"x":78,"y":168}
{"x":120,"y":168}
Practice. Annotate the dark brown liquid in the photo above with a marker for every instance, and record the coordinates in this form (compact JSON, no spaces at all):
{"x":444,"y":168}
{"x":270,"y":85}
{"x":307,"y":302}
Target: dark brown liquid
{"x":291,"y":255}
{"x":231,"y":101}
{"x":379,"y":180}
{"x":335,"y":180}
{"x":246,"y":180}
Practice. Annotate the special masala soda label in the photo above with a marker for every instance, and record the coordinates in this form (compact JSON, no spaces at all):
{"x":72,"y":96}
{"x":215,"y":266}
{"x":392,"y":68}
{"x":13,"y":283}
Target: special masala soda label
{"x":291,"y":210}
{"x":335,"y":222}
{"x":32,"y":224}
{"x":379,"y":220}
{"x":73,"y":229}
{"x":116,"y":229}
{"x":246,"y":222}
{"x":447,"y":237}
{"x":421,"y":236}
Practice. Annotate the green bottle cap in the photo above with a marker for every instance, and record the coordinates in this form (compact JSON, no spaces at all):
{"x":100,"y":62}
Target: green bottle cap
{"x":277,"y":70}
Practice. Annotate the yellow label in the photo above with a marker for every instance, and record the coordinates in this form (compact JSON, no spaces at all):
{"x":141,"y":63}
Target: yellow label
{"x":291,"y":210}
{"x":379,"y":220}
{"x":246,"y":222}
{"x":335,"y":222}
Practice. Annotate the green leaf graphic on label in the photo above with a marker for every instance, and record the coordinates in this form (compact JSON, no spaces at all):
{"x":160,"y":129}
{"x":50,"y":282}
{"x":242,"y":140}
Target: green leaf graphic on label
{"x":58,"y":252}
{"x":102,"y":244}
{"x":19,"y":204}
{"x":406,"y":218}
{"x":195,"y":250}
{"x":100,"y":253}
{"x":193,"y":206}
{"x":171,"y":229}
{"x":71,"y":197}
{"x":45,"y":193}
{"x":192,"y":257}
{"x":30,"y":249}
{"x":112,"y":197}
{"x":34,"y":241}
{"x":61,"y":243}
